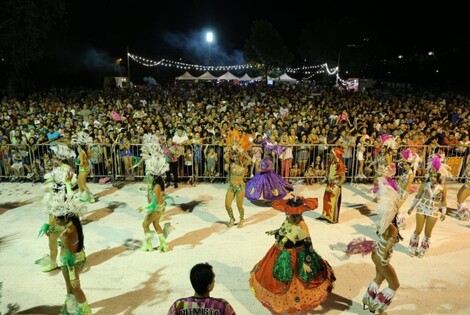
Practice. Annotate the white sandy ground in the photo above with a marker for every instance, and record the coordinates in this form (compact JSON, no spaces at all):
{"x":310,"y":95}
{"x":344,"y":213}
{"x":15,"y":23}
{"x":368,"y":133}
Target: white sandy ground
{"x":121,"y":279}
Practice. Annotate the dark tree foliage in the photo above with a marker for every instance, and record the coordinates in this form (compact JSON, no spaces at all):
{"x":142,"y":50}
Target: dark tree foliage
{"x":26,"y":27}
{"x":265,"y":46}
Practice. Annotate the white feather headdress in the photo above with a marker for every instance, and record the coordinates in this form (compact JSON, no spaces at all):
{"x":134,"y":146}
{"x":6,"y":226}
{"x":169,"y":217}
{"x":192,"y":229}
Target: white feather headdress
{"x":61,"y":204}
{"x":56,"y":178}
{"x":152,"y":153}
{"x":62,"y":152}
{"x":81,"y":138}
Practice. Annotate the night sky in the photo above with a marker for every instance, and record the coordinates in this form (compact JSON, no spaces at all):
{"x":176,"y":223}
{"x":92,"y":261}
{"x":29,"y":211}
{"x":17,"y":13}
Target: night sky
{"x":98,"y":32}
{"x":143,"y":25}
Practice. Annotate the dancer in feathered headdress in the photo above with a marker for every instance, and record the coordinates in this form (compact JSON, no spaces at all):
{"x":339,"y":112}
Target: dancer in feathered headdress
{"x":430,"y":204}
{"x":381,"y":250}
{"x":58,"y":180}
{"x":384,"y":160}
{"x":387,"y":229}
{"x":462,"y":208}
{"x":409,"y":162}
{"x":66,"y":209}
{"x":336,"y":176}
{"x":62,"y":175}
{"x":82,"y":140}
{"x":155,"y":166}
{"x":237,"y":161}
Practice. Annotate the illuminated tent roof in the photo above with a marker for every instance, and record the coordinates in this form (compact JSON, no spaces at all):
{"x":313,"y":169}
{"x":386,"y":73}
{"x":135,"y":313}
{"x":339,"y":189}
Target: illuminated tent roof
{"x":207,"y":76}
{"x":228,"y":76}
{"x":186,"y":76}
{"x":285,"y":77}
{"x":246,"y":77}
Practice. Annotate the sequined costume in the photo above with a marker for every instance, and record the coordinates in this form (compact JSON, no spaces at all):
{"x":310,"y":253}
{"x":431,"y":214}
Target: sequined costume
{"x":333,"y":191}
{"x":430,"y":200}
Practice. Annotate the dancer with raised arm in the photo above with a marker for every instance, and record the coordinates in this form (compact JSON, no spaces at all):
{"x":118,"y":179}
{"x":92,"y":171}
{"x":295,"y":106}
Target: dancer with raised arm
{"x":236,"y":164}
{"x":237,"y":161}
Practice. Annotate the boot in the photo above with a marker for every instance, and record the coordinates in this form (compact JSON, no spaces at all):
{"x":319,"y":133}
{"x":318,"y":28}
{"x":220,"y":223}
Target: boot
{"x":82,"y":196}
{"x":167,"y":228}
{"x":241,"y":223}
{"x":163,"y":247}
{"x":70,"y":305}
{"x":424,"y":247}
{"x":369,"y":297}
{"x":230,"y":215}
{"x":84,"y":309}
{"x":46,"y":263}
{"x":90,"y":196}
{"x":86,"y":196}
{"x":413,"y":245}
{"x":147,"y":246}
{"x":383,"y":300}
{"x":462,"y":211}
{"x":50,"y":266}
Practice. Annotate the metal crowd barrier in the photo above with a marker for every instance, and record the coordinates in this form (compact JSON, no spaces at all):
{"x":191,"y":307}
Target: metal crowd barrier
{"x":205,"y":162}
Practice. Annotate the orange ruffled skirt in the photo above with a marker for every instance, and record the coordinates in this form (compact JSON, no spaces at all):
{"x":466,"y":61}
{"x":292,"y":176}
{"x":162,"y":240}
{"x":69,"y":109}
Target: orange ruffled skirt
{"x":294,"y":296}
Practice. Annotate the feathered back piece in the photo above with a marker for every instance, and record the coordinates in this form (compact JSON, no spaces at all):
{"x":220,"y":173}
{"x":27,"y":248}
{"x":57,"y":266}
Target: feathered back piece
{"x":152,"y":153}
{"x":62,"y":152}
{"x":234,"y":138}
{"x":82,"y":138}
{"x":436,"y":165}
{"x":387,"y":206}
{"x":411,"y":157}
{"x":61,"y":204}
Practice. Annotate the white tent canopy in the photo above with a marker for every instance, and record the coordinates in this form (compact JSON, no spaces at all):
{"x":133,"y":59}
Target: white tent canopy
{"x":228,"y":76}
{"x":186,"y":76}
{"x":283,"y":78}
{"x":286,"y":78}
{"x":207,"y":76}
{"x":246,"y":77}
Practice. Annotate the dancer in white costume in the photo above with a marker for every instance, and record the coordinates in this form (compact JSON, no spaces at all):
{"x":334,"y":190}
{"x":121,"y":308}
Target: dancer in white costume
{"x":430,"y":204}
{"x":387,"y":230}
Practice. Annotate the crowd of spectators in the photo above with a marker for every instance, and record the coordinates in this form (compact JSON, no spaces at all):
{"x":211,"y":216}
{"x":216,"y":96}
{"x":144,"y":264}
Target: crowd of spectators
{"x":307,"y":117}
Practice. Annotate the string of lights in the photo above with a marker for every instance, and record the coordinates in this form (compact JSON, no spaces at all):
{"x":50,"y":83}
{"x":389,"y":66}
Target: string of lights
{"x":311,"y":71}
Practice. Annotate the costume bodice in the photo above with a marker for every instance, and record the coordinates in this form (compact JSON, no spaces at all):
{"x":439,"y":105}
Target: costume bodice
{"x":237,"y":170}
{"x":431,"y":199}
